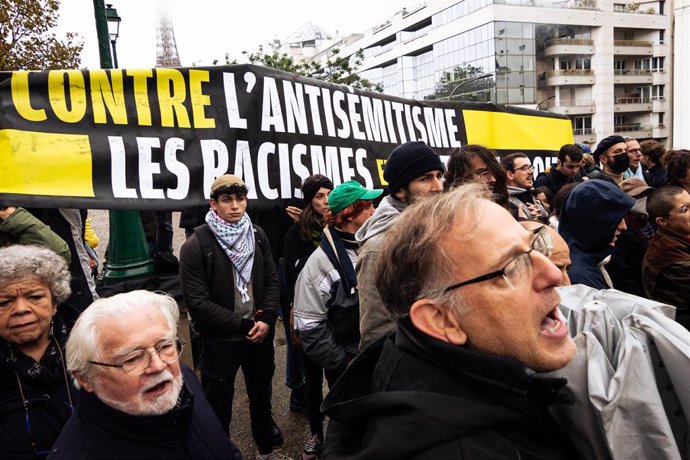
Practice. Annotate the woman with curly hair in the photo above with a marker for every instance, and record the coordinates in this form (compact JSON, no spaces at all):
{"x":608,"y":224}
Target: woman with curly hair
{"x":678,"y":168}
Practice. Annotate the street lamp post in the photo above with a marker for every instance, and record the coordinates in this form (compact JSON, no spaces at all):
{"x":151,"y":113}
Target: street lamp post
{"x":113,"y":29}
{"x":128,"y":253}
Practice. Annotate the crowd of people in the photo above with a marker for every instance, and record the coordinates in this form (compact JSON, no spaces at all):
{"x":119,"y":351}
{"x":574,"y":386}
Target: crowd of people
{"x":431,"y":311}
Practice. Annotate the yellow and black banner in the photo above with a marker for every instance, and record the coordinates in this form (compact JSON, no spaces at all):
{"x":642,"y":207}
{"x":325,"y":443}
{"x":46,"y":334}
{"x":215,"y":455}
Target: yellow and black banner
{"x":157,"y":138}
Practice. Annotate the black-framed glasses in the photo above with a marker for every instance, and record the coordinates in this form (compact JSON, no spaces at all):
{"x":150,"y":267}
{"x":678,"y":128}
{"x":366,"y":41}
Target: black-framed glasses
{"x":524,"y":168}
{"x":136,"y":362}
{"x":520,"y":267}
{"x":683,"y":210}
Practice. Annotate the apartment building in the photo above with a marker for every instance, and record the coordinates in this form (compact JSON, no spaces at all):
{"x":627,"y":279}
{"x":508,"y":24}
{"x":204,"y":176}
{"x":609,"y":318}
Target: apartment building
{"x":606,"y":64}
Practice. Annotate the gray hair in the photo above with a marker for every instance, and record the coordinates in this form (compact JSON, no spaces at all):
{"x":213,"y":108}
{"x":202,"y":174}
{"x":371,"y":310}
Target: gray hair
{"x":20,"y":261}
{"x":83,"y":342}
{"x":412,"y":264}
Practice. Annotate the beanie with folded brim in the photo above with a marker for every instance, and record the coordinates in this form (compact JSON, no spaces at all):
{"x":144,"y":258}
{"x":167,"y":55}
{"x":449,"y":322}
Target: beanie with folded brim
{"x":409,"y":161}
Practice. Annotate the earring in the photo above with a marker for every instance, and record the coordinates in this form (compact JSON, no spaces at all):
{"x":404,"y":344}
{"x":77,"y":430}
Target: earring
{"x":50,"y":332}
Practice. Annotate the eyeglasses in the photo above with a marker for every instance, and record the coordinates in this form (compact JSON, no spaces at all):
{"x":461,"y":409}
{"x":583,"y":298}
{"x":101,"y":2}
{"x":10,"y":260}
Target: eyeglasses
{"x":683,"y":210}
{"x":482,"y":173}
{"x":524,"y":168}
{"x":518,"y":269}
{"x":136,"y":362}
{"x":634,"y":150}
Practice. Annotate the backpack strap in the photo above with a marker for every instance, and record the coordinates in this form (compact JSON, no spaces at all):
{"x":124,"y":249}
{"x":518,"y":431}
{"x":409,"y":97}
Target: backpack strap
{"x":205,"y":237}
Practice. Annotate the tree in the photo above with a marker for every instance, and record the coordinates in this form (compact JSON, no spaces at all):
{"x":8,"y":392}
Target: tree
{"x":460,"y":85}
{"x":26,"y":40}
{"x":339,"y":70}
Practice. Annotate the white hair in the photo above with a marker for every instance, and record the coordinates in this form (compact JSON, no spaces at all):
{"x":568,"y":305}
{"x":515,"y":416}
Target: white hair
{"x":82,"y":345}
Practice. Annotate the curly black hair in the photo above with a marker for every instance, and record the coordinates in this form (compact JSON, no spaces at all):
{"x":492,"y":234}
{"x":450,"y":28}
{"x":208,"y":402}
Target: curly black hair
{"x":677,"y":163}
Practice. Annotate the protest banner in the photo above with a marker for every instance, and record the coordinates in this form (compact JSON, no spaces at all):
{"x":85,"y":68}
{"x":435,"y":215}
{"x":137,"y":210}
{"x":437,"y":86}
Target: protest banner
{"x":156,"y":138}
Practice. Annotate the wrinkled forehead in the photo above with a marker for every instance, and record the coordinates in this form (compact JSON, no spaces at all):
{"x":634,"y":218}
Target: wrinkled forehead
{"x":140,"y":329}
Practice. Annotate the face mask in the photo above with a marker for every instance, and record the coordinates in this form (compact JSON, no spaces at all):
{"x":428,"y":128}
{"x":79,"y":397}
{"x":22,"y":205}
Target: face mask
{"x":621,"y":162}
{"x":640,"y":207}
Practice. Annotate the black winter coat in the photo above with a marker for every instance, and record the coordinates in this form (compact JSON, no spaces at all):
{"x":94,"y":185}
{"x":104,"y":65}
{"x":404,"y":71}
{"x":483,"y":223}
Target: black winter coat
{"x":189,"y":431}
{"x":209,"y":289}
{"x":409,"y":396}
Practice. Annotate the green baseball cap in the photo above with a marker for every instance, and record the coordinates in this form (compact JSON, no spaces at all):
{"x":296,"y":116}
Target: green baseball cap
{"x":347,"y":193}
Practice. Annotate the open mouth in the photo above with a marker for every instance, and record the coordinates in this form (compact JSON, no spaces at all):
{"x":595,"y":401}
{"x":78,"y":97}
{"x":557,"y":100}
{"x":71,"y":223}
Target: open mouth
{"x":158,"y":388}
{"x":553,"y":324}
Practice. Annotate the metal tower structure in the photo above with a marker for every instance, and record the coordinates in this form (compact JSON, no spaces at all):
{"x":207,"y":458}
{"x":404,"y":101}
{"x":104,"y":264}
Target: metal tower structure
{"x":166,"y":47}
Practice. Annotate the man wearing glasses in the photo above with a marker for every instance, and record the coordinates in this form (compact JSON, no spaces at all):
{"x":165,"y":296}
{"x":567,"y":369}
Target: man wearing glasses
{"x":666,"y":266}
{"x":137,"y":401}
{"x":474,"y":294}
{"x":565,"y":172}
{"x":520,"y":179}
{"x":635,"y":157}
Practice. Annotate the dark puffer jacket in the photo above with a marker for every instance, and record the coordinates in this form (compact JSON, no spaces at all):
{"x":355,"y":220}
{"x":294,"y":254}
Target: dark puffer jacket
{"x":409,"y":396}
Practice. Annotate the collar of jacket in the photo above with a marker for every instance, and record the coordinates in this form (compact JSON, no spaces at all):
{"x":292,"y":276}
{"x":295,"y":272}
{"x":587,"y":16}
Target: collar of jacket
{"x":505,"y":379}
{"x":138,"y":428}
{"x":666,"y":248}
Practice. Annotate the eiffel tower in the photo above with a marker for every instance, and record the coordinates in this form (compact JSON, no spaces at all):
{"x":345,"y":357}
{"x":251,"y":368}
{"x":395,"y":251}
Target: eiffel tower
{"x":166,"y":48}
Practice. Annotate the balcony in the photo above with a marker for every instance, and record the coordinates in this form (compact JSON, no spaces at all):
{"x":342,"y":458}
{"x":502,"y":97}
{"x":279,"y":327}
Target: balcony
{"x":584,"y":135}
{"x":571,"y":106}
{"x":632,"y":104}
{"x":659,"y":77}
{"x":569,"y":77}
{"x":565,"y":46}
{"x":636,"y":130}
{"x":633,"y":47}
{"x":659,"y":131}
{"x":659,"y":104}
{"x":632,"y":76}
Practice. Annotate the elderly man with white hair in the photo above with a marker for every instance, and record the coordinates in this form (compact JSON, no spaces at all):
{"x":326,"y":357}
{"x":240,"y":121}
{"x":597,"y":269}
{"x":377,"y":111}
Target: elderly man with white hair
{"x":137,"y":401}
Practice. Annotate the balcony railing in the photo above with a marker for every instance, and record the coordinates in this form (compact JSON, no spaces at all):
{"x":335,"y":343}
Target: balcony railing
{"x":632,"y":100}
{"x":633,"y":72}
{"x":569,"y":41}
{"x":569,"y":73}
{"x":582,"y":131}
{"x":630,"y":127}
{"x":570,"y":103}
{"x":638,"y":43}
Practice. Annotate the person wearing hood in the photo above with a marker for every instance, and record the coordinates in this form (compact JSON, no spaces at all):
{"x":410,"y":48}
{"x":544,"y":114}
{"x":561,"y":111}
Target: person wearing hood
{"x":625,"y":267}
{"x":591,"y":219}
{"x":413,"y":170}
{"x":520,"y":179}
{"x":666,"y":266}
{"x":612,"y":154}
{"x":459,"y":378}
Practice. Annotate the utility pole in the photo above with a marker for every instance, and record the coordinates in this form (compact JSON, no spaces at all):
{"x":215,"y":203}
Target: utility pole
{"x":128,"y":252}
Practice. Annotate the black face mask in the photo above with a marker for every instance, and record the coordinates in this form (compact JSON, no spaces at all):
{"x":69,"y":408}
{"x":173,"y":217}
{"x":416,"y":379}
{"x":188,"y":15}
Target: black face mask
{"x":621,"y":163}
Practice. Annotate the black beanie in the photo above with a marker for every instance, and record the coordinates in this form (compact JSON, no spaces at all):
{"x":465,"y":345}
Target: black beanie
{"x":605,"y":144}
{"x":408,"y":161}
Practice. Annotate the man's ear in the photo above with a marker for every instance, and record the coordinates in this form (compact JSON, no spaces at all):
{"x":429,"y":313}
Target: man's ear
{"x":437,"y":321}
{"x":213,"y":204}
{"x":401,"y":195}
{"x":661,"y":222}
{"x":83,"y":381}
{"x":510,"y":175}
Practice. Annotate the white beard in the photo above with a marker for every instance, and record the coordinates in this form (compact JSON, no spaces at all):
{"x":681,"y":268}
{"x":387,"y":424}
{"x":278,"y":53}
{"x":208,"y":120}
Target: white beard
{"x":159,"y":406}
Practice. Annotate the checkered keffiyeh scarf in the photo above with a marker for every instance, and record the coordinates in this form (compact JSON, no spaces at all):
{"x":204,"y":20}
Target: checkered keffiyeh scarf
{"x":237,"y":240}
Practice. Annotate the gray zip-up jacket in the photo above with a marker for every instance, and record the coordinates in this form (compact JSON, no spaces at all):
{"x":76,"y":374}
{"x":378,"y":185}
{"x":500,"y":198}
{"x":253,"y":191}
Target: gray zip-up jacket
{"x":374,"y":319}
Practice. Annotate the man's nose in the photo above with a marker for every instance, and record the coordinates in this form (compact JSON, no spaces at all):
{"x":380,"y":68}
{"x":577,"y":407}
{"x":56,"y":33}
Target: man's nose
{"x":436,"y":185}
{"x":545,"y":272}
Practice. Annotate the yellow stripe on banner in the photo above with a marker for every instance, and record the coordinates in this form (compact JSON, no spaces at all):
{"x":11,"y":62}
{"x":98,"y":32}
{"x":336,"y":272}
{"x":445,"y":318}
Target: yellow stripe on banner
{"x":511,"y":131}
{"x":33,"y":163}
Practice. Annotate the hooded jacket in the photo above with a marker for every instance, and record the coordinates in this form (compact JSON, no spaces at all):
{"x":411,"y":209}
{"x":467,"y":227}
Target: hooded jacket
{"x":374,"y":319}
{"x":589,"y":218}
{"x":409,"y":396}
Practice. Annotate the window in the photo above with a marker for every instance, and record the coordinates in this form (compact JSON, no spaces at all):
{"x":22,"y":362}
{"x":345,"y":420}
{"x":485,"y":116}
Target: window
{"x":658,"y":92}
{"x":582,"y":125}
{"x":658,"y":64}
{"x":619,"y":65}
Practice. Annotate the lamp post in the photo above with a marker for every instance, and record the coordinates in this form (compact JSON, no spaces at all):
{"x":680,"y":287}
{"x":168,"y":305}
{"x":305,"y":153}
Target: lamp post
{"x":537,"y":107}
{"x":128,"y":253}
{"x":113,"y":29}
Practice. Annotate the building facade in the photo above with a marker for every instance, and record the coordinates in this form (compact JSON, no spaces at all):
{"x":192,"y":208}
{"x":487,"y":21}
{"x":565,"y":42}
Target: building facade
{"x":604,"y":63}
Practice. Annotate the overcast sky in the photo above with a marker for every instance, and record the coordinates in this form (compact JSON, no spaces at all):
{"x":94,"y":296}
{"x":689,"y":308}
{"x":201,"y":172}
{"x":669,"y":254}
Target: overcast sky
{"x":207,"y":29}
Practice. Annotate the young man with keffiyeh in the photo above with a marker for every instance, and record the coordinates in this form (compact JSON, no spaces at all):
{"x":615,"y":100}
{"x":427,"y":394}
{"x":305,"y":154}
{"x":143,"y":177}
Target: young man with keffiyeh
{"x":231,"y":289}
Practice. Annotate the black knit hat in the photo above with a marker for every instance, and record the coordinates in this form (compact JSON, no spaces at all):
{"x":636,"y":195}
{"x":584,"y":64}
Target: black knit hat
{"x":605,"y":144}
{"x":408,"y":161}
